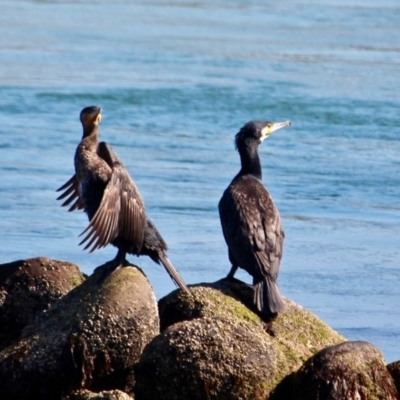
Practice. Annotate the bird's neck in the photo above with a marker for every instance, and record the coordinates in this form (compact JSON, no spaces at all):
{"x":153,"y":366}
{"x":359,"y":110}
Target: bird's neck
{"x":91,"y":138}
{"x":250,"y":161}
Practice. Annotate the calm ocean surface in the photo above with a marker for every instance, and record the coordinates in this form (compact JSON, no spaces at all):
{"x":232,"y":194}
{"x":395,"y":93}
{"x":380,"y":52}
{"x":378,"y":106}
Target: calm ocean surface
{"x":176,"y":80}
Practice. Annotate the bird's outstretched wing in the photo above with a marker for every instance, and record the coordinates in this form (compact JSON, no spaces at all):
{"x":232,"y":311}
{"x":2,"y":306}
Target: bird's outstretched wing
{"x":70,"y":188}
{"x":121,"y":212}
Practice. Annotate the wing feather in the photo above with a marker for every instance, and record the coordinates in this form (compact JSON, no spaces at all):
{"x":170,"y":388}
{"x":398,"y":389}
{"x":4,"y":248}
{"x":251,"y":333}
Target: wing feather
{"x":251,"y":227}
{"x":70,"y":188}
{"x":103,"y":227}
{"x":121,"y":212}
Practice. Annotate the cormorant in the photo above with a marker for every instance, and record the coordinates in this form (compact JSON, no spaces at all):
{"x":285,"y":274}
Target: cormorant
{"x":103,"y":188}
{"x":251,"y":223}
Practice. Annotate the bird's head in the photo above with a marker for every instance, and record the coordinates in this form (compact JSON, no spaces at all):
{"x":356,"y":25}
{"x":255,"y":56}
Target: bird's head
{"x":90,"y":117}
{"x":257,"y":131}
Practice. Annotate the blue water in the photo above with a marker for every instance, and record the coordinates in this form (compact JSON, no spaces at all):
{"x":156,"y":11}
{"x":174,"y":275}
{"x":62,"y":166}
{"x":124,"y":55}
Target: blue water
{"x":176,"y":81}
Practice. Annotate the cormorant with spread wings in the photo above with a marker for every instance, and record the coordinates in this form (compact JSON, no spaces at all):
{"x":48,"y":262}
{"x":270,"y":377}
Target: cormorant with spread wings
{"x":103,"y":188}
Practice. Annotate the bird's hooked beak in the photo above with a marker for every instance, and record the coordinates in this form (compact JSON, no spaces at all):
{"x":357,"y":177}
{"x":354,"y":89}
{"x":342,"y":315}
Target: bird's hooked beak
{"x":91,"y":116}
{"x":272,"y":127}
{"x":96,"y":116}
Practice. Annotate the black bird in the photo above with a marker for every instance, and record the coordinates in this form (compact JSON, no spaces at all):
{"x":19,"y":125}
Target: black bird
{"x":251,"y":223}
{"x":103,"y":188}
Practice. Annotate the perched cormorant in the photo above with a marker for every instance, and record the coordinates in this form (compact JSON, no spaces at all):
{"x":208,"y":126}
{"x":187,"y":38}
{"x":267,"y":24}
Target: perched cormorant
{"x":103,"y":188}
{"x":251,"y":223}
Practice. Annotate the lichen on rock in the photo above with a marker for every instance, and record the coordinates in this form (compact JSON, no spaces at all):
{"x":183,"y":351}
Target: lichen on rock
{"x":103,"y":395}
{"x":214,"y":346}
{"x":351,"y":370}
{"x":90,"y":338}
{"x":209,"y":358}
{"x":298,"y":332}
{"x":29,"y":287}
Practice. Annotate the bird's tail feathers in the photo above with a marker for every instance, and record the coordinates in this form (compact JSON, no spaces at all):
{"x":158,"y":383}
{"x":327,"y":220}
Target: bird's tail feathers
{"x":173,"y":273}
{"x":267,"y":297}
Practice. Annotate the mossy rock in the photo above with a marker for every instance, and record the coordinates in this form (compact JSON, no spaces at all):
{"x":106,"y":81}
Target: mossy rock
{"x":351,"y":371}
{"x":298,"y":333}
{"x":222,"y":298}
{"x":90,"y":338}
{"x":210,"y":358}
{"x":214,"y":346}
{"x":29,"y":287}
{"x":104,"y":395}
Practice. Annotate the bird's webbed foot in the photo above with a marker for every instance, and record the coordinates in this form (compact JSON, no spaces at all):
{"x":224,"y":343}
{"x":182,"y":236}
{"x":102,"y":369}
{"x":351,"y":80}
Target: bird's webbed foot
{"x":230,"y":276}
{"x":268,"y":328}
{"x":111,"y":266}
{"x":107,"y":269}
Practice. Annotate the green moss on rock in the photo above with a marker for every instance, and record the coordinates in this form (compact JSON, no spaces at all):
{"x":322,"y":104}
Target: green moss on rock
{"x":298,"y":333}
{"x":209,"y":358}
{"x":214,"y":346}
{"x":29,"y":287}
{"x":301,"y":334}
{"x":90,"y":338}
{"x":104,"y":395}
{"x":351,"y":370}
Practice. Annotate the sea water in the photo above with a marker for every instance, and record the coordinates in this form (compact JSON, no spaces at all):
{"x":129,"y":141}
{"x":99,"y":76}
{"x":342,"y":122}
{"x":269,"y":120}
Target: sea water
{"x":176,"y":81}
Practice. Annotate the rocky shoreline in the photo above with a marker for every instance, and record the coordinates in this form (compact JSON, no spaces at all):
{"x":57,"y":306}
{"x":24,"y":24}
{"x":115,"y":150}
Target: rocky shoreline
{"x":67,"y":336}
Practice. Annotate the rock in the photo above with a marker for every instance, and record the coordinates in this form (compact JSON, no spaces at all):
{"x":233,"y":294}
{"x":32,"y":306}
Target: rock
{"x":214,"y":347}
{"x":209,"y":358}
{"x":351,"y":371}
{"x":299,"y":333}
{"x":89,"y":339}
{"x":394,"y":369}
{"x":29,"y":287}
{"x":105,"y":395}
